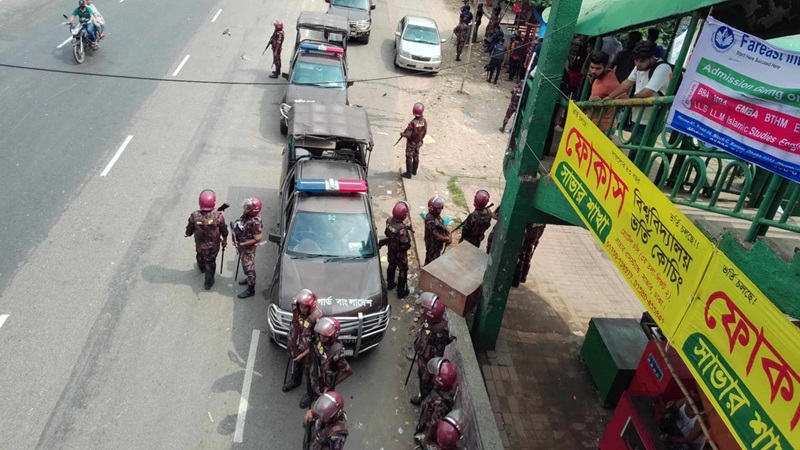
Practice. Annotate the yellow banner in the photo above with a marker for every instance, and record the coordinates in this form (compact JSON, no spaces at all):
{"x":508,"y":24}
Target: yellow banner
{"x":658,"y":250}
{"x":746,"y":356}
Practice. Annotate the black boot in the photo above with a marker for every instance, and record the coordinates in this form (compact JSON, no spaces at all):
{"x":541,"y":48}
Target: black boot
{"x":402,"y":287}
{"x":305,"y":402}
{"x":407,"y":173}
{"x":416,"y":400}
{"x":243,"y":282}
{"x":390,"y":284}
{"x":274,"y":75}
{"x":414,"y":168}
{"x":249,"y":292}
{"x":517,"y":276}
{"x":209,"y":279}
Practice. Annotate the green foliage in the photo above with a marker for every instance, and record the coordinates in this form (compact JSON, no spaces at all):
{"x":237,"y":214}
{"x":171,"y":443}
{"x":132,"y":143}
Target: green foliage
{"x":456,"y":193}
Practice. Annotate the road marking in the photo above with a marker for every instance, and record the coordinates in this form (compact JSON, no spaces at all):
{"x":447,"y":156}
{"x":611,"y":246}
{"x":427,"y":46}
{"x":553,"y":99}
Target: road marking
{"x":215,"y":16}
{"x":3,"y":318}
{"x":175,"y":74}
{"x":64,"y":43}
{"x":116,"y":155}
{"x":248,"y":378}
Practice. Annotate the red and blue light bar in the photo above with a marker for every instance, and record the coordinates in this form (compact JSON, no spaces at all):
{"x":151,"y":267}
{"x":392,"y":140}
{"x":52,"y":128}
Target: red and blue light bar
{"x":331,"y":185}
{"x":322,"y":48}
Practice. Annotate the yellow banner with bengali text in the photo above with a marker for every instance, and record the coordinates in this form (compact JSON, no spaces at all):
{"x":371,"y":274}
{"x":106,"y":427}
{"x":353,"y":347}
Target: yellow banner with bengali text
{"x":746,"y":355}
{"x":658,"y":250}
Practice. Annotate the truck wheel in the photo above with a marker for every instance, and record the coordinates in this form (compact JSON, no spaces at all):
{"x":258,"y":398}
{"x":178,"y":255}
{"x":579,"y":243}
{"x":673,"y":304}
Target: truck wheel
{"x":365,"y":39}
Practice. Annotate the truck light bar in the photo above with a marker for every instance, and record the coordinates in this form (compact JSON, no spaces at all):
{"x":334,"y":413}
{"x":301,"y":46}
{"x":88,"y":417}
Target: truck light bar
{"x":322,"y":48}
{"x":331,"y":185}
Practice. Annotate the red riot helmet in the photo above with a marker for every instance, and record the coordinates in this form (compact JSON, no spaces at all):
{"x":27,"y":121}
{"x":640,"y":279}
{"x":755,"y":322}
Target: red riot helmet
{"x":432,"y":307}
{"x":419,"y":108}
{"x":400,"y":211}
{"x":252,"y":206}
{"x":435,"y":204}
{"x":481,"y":199}
{"x":450,"y":429}
{"x":328,"y":329}
{"x":207,"y":200}
{"x":306,"y":298}
{"x":328,"y":407}
{"x":278,"y":25}
{"x":444,"y":373}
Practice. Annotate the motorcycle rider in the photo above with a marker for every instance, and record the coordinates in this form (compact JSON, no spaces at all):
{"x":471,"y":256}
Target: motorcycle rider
{"x":99,"y":20}
{"x":86,"y":19}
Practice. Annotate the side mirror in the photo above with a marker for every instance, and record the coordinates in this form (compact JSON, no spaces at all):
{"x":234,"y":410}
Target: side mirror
{"x":285,"y":76}
{"x":275,"y":238}
{"x":65,"y":16}
{"x":444,"y":40}
{"x":349,"y":83}
{"x":397,"y":33}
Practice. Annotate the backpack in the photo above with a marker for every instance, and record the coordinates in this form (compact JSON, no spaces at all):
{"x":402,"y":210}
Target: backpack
{"x":671,"y":71}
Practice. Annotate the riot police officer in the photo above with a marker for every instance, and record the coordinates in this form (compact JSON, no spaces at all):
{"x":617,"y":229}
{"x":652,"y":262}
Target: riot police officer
{"x":210,"y":231}
{"x":414,"y":133}
{"x":326,"y":423}
{"x":246,"y":235}
{"x":399,"y":243}
{"x":329,"y":366}
{"x":449,"y":431}
{"x":276,"y":41}
{"x":300,"y":339}
{"x":478,"y":221}
{"x":436,"y":233}
{"x":440,"y":401}
{"x":432,"y":337}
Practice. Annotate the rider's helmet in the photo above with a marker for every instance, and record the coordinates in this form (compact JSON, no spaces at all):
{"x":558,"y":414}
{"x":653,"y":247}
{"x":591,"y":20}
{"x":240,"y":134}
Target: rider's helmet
{"x":207,"y":200}
{"x":81,"y":3}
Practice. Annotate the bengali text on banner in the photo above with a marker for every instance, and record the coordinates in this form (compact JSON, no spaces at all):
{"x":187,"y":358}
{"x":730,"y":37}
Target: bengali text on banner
{"x":740,"y":94}
{"x":745,"y":355}
{"x":661,"y":254}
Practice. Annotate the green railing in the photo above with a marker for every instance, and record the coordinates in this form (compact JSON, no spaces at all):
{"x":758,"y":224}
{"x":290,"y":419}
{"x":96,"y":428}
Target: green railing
{"x":693,"y":174}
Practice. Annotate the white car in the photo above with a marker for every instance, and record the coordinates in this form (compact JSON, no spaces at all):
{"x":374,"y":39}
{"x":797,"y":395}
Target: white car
{"x":418,"y":44}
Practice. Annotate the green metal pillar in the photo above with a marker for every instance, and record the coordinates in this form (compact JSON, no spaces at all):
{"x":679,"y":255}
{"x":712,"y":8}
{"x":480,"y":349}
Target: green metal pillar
{"x":521,"y":167}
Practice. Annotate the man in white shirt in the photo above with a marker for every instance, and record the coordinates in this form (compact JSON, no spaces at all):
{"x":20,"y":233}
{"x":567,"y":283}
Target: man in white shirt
{"x":650,"y":77}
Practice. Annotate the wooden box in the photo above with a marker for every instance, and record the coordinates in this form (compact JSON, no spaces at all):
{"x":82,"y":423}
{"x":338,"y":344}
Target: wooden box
{"x":456,"y":277}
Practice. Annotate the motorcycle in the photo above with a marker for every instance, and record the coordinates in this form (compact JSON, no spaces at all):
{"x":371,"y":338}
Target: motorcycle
{"x":80,"y":40}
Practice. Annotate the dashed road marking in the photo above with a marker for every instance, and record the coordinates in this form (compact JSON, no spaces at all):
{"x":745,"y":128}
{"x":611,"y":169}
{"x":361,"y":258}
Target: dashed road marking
{"x":175,"y":74}
{"x":248,"y":378}
{"x":116,"y":155}
{"x":215,"y":16}
{"x":64,"y":43}
{"x":3,"y":318}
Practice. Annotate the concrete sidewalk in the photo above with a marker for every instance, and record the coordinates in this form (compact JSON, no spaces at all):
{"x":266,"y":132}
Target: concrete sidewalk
{"x":541,"y":394}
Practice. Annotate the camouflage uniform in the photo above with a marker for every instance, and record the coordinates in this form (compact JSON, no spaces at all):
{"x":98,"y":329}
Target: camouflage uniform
{"x":250,"y":226}
{"x":276,"y":40}
{"x":434,"y":229}
{"x":533,"y":232}
{"x":461,"y":31}
{"x":432,"y":410}
{"x":429,"y":343}
{"x":475,"y":226}
{"x":331,"y":436}
{"x":301,"y":338}
{"x":399,"y":244}
{"x":415,"y":133}
{"x":207,"y":227}
{"x":328,"y":364}
{"x":512,"y":105}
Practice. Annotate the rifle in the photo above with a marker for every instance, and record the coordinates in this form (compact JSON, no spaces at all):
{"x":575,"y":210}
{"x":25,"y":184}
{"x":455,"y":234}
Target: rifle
{"x":307,"y":436}
{"x":398,"y":140}
{"x":221,"y":208}
{"x":411,"y":367}
{"x":382,"y":242}
{"x":462,"y":223}
{"x":286,"y":372}
{"x":265,"y":48}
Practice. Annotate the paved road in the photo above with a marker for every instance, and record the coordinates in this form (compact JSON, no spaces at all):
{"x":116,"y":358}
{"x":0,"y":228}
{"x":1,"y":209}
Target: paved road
{"x":110,"y":340}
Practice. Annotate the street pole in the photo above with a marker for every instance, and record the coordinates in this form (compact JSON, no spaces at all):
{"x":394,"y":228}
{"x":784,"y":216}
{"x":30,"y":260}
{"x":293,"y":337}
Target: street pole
{"x":521,"y":172}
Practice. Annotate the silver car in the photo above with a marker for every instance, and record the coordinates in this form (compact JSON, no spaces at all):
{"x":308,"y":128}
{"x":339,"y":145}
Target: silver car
{"x":418,"y":44}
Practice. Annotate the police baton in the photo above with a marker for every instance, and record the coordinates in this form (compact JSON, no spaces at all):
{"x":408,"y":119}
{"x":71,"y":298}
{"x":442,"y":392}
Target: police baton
{"x":307,"y":436}
{"x":286,"y":372}
{"x":410,"y":368}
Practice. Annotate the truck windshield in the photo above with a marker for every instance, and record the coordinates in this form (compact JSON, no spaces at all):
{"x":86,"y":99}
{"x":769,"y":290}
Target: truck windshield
{"x":316,"y":234}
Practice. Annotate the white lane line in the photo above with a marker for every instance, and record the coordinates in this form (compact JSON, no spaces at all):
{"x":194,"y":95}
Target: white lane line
{"x":175,"y":74}
{"x":215,"y":16}
{"x":3,"y":318}
{"x":116,"y":155}
{"x":64,"y":43}
{"x":248,"y":378}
